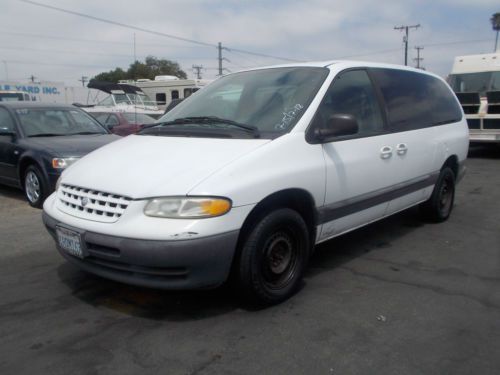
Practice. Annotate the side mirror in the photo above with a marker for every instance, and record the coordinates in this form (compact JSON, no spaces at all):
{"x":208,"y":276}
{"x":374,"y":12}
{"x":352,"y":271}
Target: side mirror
{"x":338,"y":125}
{"x":7,"y":133}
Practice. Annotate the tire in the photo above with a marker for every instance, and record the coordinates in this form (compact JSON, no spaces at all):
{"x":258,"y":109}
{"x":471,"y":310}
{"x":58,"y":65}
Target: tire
{"x":274,"y":256}
{"x":35,"y":188}
{"x":439,"y":206}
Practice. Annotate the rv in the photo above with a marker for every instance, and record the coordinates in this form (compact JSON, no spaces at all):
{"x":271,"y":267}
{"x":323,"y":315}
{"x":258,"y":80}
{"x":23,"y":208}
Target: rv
{"x":164,"y":89}
{"x":476,"y":82}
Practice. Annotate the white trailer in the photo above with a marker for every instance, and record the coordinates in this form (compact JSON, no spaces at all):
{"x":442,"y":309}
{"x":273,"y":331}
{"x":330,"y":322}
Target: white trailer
{"x":476,"y":82}
{"x":164,"y":89}
{"x":51,"y":92}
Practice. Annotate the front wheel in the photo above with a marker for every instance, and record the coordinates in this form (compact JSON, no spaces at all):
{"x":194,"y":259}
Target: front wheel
{"x":34,"y":186}
{"x":274,"y":256}
{"x":439,"y":206}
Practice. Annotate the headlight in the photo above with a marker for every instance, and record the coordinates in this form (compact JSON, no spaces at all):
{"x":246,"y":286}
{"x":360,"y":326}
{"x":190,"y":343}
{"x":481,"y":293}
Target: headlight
{"x":62,"y":163}
{"x":187,"y":207}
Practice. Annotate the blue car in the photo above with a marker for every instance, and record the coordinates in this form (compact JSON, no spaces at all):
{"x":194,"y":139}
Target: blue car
{"x":38,"y":141}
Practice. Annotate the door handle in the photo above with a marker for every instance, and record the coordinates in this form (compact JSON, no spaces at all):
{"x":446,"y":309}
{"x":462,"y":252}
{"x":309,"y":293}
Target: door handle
{"x":386,"y":152}
{"x":402,"y":149}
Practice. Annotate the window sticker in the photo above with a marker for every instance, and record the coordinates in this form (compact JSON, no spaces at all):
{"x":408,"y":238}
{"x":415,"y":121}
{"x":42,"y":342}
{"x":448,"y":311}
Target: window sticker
{"x":288,"y":116}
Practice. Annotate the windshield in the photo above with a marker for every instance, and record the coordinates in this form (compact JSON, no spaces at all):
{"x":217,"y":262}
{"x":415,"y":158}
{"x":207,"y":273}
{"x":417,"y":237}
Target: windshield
{"x":51,"y":122}
{"x":270,"y":100}
{"x":122,"y":99}
{"x":475,"y":82}
{"x":138,"y":118}
{"x":140,"y":99}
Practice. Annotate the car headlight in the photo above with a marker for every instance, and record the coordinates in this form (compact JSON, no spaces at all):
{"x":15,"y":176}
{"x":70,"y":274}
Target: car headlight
{"x":62,"y":163}
{"x":187,"y":207}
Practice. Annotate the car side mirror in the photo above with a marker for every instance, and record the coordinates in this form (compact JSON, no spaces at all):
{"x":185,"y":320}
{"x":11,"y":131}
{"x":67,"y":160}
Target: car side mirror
{"x":338,"y":125}
{"x":8,"y":133}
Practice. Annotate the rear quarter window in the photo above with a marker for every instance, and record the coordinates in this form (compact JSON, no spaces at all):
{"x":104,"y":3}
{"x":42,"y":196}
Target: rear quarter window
{"x":415,"y":100}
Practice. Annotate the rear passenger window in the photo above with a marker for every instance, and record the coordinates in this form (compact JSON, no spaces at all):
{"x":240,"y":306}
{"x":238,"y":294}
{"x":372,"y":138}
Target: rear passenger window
{"x":175,"y":94}
{"x":352,"y":93}
{"x":416,"y":100}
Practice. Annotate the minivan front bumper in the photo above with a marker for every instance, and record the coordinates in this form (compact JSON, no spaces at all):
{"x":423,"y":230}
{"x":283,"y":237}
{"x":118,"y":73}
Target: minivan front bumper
{"x":192,"y":263}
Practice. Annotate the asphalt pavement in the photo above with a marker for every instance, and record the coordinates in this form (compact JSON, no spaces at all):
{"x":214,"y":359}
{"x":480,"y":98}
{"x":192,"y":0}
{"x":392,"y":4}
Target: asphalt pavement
{"x":397,"y":297}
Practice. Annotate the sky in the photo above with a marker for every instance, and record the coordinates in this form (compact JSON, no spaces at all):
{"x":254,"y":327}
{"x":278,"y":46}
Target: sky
{"x":56,"y":46}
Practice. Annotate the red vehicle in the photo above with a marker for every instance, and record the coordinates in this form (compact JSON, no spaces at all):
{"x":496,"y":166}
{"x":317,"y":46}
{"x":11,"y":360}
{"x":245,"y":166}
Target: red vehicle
{"x":123,"y":123}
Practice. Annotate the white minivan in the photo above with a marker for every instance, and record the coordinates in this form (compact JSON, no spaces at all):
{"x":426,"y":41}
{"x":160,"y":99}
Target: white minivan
{"x":250,"y":173}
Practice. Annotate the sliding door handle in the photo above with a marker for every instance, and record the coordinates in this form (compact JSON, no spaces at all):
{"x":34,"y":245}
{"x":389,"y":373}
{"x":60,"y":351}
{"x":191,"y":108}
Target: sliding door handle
{"x":402,"y":149}
{"x":386,"y":152}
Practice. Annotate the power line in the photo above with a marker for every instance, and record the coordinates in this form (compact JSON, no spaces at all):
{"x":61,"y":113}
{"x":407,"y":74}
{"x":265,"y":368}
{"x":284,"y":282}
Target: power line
{"x":118,"y":23}
{"x":201,"y":43}
{"x":45,"y":36}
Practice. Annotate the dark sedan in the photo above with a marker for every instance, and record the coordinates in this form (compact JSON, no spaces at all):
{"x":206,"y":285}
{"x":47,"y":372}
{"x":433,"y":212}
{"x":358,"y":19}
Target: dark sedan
{"x":38,"y":141}
{"x":123,"y":123}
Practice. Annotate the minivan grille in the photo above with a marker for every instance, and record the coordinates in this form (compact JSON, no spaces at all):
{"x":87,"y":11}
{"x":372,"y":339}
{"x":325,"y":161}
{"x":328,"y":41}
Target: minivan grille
{"x":91,"y":204}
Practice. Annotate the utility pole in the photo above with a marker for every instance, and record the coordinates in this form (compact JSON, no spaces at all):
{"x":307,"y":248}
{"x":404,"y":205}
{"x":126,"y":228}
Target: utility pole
{"x":405,"y":38}
{"x":220,"y":58}
{"x":83,"y":80}
{"x":197,"y":70}
{"x":419,"y":59}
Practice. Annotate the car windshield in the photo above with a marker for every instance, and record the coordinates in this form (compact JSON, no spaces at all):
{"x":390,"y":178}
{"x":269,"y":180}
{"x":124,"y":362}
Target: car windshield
{"x":39,"y":122}
{"x":475,"y":82}
{"x":268,"y":101}
{"x":138,"y":118}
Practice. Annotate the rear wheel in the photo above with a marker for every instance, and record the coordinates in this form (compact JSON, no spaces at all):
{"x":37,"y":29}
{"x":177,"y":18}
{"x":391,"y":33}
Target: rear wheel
{"x":439,"y":206}
{"x":35,"y":190}
{"x":274,"y":256}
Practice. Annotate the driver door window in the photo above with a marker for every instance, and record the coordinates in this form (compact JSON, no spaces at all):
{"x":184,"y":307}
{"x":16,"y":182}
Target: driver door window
{"x":352,"y":93}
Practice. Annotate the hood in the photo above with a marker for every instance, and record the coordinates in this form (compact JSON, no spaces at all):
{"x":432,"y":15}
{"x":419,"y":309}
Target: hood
{"x":140,"y":166}
{"x":74,"y":145}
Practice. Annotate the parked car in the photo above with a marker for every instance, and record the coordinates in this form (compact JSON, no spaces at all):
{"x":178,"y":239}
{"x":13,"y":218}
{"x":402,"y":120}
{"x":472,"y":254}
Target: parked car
{"x":245,"y":177}
{"x":38,"y":141}
{"x":123,"y":123}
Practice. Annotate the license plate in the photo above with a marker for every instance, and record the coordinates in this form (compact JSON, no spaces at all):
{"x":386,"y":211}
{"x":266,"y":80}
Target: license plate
{"x":70,"y":241}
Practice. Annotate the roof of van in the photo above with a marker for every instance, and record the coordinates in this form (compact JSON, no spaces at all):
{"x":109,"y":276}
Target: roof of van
{"x":344,"y":64}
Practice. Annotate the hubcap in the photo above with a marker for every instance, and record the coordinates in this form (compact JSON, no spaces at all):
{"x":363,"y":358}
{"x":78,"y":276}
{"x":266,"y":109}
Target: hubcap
{"x":32,"y":187}
{"x":280,"y":259}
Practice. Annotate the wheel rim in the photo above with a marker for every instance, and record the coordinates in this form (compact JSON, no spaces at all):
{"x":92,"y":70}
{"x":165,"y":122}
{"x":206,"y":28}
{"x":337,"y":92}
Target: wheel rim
{"x":446,"y":196}
{"x":280,"y":259}
{"x":32,"y":187}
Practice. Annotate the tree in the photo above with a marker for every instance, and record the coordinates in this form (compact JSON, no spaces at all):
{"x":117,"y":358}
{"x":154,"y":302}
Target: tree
{"x":149,"y":69}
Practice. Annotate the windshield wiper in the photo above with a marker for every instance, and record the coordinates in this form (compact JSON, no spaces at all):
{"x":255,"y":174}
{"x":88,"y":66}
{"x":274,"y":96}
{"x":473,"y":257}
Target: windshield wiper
{"x":85,"y":133}
{"x":45,"y":135}
{"x":209,"y":120}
